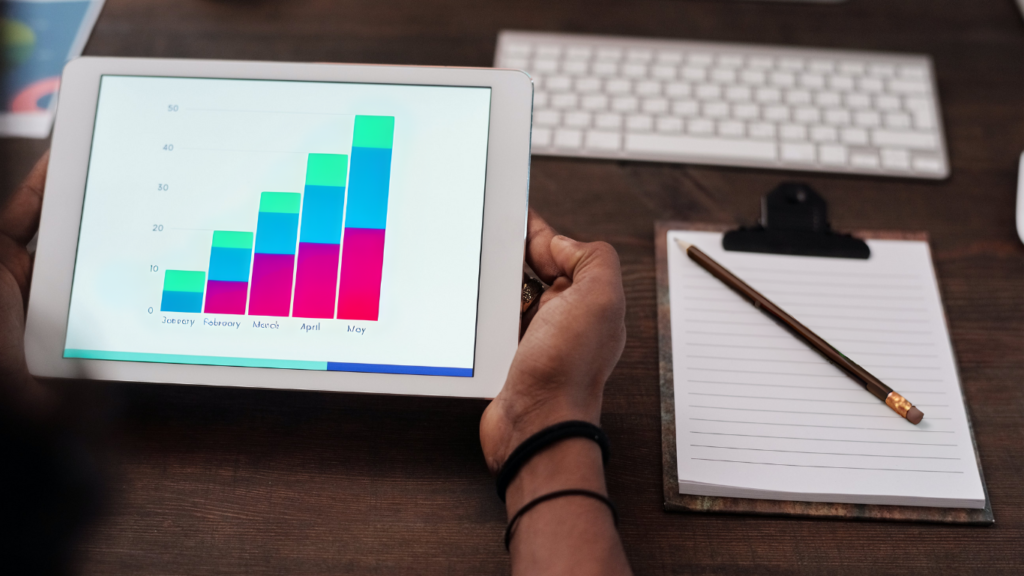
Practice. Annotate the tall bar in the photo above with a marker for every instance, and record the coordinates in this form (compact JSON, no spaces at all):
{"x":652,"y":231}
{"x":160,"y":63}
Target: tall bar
{"x":323,"y":207}
{"x":362,"y":259}
{"x":228,"y":283}
{"x":274,"y":260}
{"x":183,"y":291}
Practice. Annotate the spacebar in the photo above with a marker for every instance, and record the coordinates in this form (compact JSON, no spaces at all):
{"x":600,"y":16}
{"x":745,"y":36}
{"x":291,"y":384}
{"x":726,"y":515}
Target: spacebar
{"x":701,"y":146}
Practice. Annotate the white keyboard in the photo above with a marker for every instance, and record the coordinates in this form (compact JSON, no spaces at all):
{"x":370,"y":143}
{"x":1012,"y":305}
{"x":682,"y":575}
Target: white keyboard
{"x":731,"y":104}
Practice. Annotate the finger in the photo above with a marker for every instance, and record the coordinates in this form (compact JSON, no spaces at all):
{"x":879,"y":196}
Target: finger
{"x":19,"y":218}
{"x":593,"y":269}
{"x":538,"y":248}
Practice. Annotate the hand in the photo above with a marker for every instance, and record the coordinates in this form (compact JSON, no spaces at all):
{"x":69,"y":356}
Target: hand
{"x":570,"y":347}
{"x":19,"y":219}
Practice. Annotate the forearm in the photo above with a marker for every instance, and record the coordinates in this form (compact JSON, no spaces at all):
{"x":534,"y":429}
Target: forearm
{"x":571,"y":534}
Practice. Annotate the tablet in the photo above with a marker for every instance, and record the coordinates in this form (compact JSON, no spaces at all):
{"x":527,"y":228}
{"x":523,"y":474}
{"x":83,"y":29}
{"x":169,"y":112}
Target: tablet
{"x":274,"y":225}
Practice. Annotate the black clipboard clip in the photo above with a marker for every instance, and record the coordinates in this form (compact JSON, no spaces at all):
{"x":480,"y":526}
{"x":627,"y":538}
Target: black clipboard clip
{"x":794,"y":220}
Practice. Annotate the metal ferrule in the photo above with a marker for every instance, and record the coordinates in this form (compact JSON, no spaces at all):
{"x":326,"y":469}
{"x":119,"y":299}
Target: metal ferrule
{"x":898,"y":403}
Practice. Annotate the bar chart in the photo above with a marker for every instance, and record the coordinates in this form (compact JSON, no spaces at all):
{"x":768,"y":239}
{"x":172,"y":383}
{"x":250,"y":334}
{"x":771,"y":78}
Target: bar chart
{"x":318,"y":253}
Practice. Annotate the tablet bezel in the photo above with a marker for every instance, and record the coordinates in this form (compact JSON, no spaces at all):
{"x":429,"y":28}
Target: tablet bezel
{"x":504,"y":228}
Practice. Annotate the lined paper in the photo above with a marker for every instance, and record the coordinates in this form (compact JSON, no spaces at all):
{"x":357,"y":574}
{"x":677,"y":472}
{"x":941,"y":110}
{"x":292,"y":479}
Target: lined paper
{"x":759,"y":414}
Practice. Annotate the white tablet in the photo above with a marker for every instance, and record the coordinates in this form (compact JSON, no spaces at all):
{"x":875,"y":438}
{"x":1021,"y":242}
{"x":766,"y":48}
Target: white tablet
{"x":273,"y":225}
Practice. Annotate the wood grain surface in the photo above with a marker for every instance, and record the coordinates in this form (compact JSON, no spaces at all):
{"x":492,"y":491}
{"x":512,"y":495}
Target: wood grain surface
{"x":225,"y":481}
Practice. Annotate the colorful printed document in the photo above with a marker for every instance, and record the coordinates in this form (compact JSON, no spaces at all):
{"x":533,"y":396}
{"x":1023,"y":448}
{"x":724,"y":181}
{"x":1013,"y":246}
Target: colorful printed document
{"x":39,"y":37}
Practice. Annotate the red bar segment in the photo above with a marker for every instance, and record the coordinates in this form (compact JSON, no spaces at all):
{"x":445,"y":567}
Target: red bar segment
{"x":271,"y":293}
{"x":362,"y":261}
{"x":224,"y":297}
{"x":316,"y":280}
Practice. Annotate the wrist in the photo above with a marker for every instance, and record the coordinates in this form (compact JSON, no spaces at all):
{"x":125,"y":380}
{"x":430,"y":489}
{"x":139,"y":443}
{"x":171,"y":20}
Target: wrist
{"x":570,"y":463}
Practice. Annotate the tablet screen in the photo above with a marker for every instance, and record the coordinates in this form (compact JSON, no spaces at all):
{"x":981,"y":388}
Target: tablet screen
{"x":282,"y":224}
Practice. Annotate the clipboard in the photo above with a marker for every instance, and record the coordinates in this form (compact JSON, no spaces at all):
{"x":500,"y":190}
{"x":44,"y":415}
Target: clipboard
{"x":775,"y":234}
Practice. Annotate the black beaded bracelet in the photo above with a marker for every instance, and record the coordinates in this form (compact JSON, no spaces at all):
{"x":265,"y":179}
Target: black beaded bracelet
{"x":509,"y":530}
{"x":543,"y":439}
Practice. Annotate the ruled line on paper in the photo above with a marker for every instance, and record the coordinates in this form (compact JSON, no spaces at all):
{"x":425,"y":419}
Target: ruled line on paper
{"x":914,"y":430}
{"x":875,"y":403}
{"x":845,"y":440}
{"x":835,"y":467}
{"x":826,"y":453}
{"x":815,"y":413}
{"x":832,"y":388}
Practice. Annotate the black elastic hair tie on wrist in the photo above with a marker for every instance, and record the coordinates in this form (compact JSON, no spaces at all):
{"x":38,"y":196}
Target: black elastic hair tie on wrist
{"x":541,"y":440}
{"x":571,"y":492}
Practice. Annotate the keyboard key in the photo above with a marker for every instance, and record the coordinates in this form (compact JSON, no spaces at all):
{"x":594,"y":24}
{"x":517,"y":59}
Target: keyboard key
{"x":564,"y":101}
{"x":914,"y":72}
{"x":579,"y":53}
{"x":768,"y":95}
{"x":858,"y":101}
{"x":715,"y":110}
{"x":545,"y":66}
{"x":807,"y":115}
{"x":708,"y":147}
{"x":603,"y":140}
{"x":824,"y":134}
{"x":842,"y":83}
{"x":678,"y":89}
{"x":837,"y":117}
{"x":870,"y":85}
{"x":827,"y":99}
{"x":791,"y":64}
{"x":821,"y":66}
{"x":902,"y":86}
{"x":547,"y":118}
{"x":609,"y":53}
{"x":648,"y":88}
{"x":693,"y":74}
{"x":565,"y":138}
{"x":723,"y":76}
{"x":731,"y":128}
{"x":738,"y":94}
{"x":793,"y":132}
{"x":595,"y":102}
{"x":586,"y":85}
{"x":654,"y":105}
{"x":761,"y":62}
{"x":753,"y":77}
{"x":608,"y":121}
{"x":639,"y":55}
{"x":701,"y":59}
{"x":559,"y":84}
{"x":812,"y":81}
{"x":517,"y":63}
{"x":887,"y":102}
{"x":730,"y":60}
{"x":669,"y":57}
{"x":802,"y":153}
{"x":762,"y":130}
{"x":577,"y":119}
{"x":625,"y":104}
{"x":864,"y":160}
{"x":924,"y":122}
{"x":606,"y":69}
{"x":776,"y":113}
{"x":709,"y":92}
{"x":882,"y":70}
{"x":669,"y":124}
{"x":540,"y":99}
{"x":517,"y":49}
{"x":869,"y":118}
{"x":832,"y":154}
{"x":928,"y":164}
{"x":540,"y":137}
{"x":700,"y":126}
{"x":639,"y":123}
{"x":918,"y":105}
{"x":852,"y":67}
{"x":549,"y":51}
{"x":618,"y":86}
{"x":634,"y":70}
{"x":782,"y":79}
{"x":905,"y":139}
{"x":897,"y":120}
{"x":575,"y":67}
{"x":897,"y":159}
{"x":854,"y":136}
{"x":663,"y":72}
{"x":685,"y":108}
{"x":796,"y":97}
{"x":746,"y":111}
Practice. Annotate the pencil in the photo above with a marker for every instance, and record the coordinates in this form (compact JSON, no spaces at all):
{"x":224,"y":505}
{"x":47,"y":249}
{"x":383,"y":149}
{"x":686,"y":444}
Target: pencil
{"x":898,"y":403}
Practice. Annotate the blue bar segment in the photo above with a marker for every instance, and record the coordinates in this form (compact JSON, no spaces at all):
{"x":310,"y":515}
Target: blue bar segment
{"x":181,"y":302}
{"x":276,"y":232}
{"x":396,"y":369}
{"x":322,"y":210}
{"x":368,"y":182}
{"x":230,"y":264}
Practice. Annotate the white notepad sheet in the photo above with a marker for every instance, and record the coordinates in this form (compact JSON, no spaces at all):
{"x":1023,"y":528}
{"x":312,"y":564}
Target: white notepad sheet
{"x":759,"y":414}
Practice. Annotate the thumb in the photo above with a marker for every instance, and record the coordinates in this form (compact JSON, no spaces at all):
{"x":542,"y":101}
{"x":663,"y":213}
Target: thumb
{"x":577,"y":260}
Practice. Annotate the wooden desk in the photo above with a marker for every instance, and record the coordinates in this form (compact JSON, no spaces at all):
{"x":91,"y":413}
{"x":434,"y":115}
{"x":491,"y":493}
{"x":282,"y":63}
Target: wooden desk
{"x":210,"y":481}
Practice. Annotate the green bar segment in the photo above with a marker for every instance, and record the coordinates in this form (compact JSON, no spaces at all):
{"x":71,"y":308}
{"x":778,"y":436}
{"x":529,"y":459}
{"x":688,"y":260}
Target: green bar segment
{"x":184,"y":281}
{"x":186,"y":359}
{"x":327,"y":170}
{"x":374,"y":132}
{"x":223,"y":239}
{"x":280,"y":202}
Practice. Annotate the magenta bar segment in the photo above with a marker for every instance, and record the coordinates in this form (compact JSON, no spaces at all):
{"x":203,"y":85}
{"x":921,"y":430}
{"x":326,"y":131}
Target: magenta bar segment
{"x":315,"y":280}
{"x":271,"y":284}
{"x":225,"y":297}
{"x":362,"y":262}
